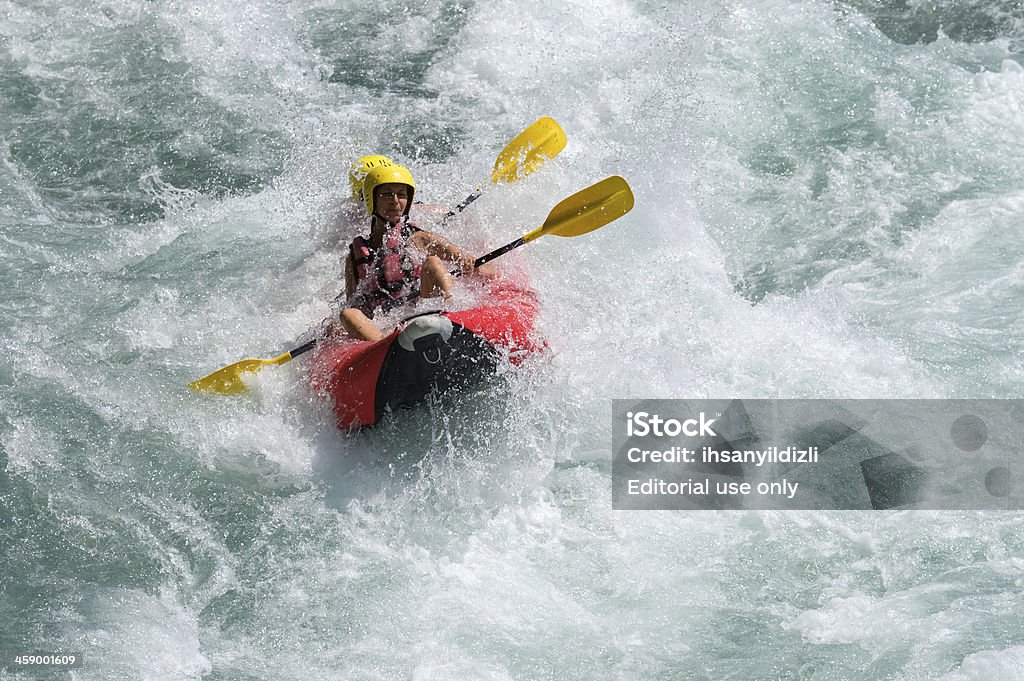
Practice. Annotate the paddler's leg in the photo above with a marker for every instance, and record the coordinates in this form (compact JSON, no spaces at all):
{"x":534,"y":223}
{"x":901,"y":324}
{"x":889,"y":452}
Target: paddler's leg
{"x":359,"y":326}
{"x":435,"y":279}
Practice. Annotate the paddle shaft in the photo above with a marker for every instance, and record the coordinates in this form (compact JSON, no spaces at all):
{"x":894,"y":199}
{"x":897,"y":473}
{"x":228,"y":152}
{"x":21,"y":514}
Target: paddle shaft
{"x":484,"y":259}
{"x":302,"y":349}
{"x":462,"y":206}
{"x":543,"y":140}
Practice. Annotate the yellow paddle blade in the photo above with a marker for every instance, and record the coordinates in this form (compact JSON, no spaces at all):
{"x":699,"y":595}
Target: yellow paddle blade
{"x":228,"y":381}
{"x":528,"y":150}
{"x":587,"y":210}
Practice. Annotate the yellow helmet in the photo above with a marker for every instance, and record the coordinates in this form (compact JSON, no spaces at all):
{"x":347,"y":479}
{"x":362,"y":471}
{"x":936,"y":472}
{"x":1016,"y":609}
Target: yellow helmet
{"x":387,"y":174}
{"x":357,"y":173}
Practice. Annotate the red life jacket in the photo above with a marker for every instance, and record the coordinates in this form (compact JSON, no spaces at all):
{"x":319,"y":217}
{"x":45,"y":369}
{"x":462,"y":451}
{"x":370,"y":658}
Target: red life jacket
{"x":389,"y":275}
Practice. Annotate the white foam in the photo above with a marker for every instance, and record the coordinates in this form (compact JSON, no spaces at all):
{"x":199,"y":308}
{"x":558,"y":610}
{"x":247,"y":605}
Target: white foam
{"x":130,"y":634}
{"x":987,"y":665}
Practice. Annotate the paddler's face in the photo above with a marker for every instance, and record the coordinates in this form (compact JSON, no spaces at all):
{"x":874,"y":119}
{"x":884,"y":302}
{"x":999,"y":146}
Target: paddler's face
{"x":390,"y":200}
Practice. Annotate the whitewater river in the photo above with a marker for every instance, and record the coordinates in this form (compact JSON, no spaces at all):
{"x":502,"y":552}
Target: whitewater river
{"x":829,"y":204}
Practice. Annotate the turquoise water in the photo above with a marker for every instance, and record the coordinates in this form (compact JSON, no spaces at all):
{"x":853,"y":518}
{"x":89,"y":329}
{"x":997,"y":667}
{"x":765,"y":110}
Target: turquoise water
{"x":830,"y":197}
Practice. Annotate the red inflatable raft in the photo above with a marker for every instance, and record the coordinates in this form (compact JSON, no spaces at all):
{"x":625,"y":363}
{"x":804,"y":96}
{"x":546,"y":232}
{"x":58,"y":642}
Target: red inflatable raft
{"x":432,"y":352}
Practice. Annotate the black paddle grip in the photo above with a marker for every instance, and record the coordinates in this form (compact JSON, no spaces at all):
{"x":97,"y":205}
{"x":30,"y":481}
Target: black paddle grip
{"x":483,"y":259}
{"x":305,"y":347}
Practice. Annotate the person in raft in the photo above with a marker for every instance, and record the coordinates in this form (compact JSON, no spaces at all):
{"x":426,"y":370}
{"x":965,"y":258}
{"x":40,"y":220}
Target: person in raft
{"x":397,"y":261}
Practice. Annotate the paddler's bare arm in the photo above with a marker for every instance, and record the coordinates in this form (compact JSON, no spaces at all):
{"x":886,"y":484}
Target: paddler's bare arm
{"x":432,"y":212}
{"x":434,"y":244}
{"x":351,"y":320}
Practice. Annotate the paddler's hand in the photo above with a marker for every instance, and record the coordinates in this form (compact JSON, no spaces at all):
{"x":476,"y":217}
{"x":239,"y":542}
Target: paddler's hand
{"x":329,"y":328}
{"x":466,"y":262}
{"x":487,"y":271}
